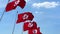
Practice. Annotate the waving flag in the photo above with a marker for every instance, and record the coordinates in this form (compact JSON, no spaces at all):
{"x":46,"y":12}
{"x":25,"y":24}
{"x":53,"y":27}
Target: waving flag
{"x":12,"y":5}
{"x":34,"y":31}
{"x":29,"y":25}
{"x":24,"y":16}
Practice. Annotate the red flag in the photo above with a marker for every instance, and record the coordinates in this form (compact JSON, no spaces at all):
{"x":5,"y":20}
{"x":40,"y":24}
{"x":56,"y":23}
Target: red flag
{"x":29,"y":25}
{"x":10,"y":6}
{"x":34,"y":31}
{"x":24,"y":16}
{"x":22,"y":3}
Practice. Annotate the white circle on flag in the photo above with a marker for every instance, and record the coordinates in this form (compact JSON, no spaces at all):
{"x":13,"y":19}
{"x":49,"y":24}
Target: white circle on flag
{"x":30,"y":25}
{"x":25,"y":16}
{"x":35,"y":31}
{"x":16,"y":2}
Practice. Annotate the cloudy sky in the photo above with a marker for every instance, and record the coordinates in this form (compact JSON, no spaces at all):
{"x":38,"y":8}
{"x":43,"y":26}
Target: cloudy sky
{"x":46,"y":14}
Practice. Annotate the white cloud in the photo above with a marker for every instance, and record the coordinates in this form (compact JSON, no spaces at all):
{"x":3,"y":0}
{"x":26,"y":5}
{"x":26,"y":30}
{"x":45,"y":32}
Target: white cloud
{"x":46,"y":4}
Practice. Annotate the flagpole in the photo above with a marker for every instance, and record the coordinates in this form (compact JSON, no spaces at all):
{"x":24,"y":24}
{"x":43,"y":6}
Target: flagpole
{"x":3,"y":13}
{"x":22,"y":31}
{"x":14,"y":26}
{"x":22,"y":28}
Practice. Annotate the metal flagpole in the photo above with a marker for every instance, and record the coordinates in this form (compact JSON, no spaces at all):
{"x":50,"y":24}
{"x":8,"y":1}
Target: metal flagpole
{"x":3,"y":13}
{"x":22,"y":30}
{"x":14,"y":26}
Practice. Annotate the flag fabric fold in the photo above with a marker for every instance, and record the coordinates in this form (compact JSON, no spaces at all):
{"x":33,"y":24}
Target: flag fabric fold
{"x":22,"y":4}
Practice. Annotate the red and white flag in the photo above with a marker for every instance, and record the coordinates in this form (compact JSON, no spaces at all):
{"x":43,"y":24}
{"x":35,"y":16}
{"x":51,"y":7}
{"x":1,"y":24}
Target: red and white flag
{"x":24,"y":16}
{"x":34,"y":31}
{"x":29,"y":25}
{"x":12,"y":5}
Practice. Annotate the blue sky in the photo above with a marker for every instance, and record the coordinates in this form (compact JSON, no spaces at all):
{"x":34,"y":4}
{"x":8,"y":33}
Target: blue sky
{"x":46,"y":14}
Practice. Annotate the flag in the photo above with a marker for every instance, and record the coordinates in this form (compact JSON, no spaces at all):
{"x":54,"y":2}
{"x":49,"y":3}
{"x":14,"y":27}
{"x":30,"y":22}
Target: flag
{"x":34,"y":31}
{"x":29,"y":25}
{"x":12,"y":5}
{"x":24,"y":16}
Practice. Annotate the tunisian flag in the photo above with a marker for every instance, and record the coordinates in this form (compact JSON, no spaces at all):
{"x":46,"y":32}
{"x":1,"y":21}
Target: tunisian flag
{"x":24,"y":16}
{"x":34,"y":31}
{"x":12,"y":5}
{"x":29,"y":25}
